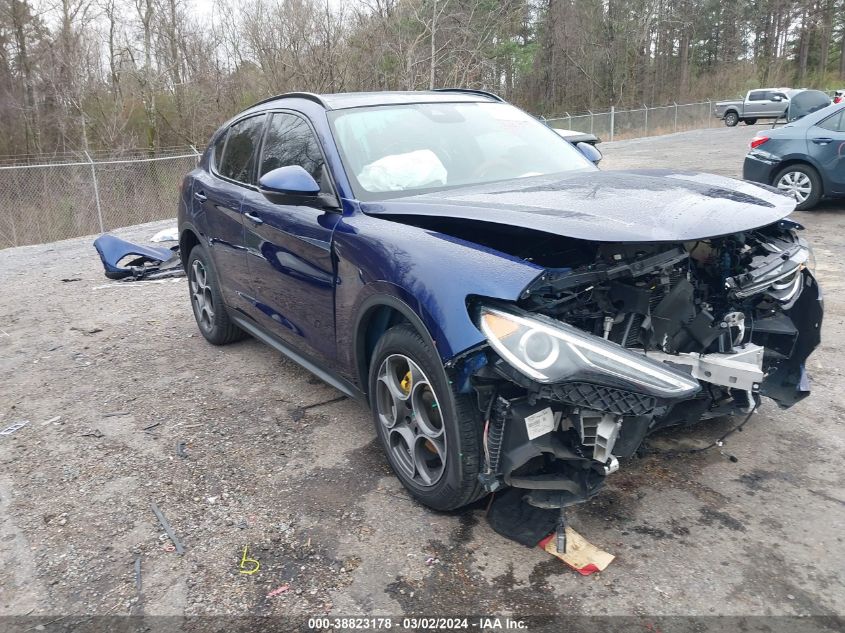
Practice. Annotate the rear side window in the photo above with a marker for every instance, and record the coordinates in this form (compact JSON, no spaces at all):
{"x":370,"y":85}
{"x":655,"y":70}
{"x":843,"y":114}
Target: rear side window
{"x":243,"y":139}
{"x":290,"y":141}
{"x":758,"y":95}
{"x":835,"y":123}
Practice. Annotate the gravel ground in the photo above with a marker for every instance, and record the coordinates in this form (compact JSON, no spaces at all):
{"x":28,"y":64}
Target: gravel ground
{"x":113,"y":377}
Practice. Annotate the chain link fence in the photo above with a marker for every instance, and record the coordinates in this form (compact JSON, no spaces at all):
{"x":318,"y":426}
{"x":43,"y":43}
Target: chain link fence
{"x":615,"y":125}
{"x":44,"y":202}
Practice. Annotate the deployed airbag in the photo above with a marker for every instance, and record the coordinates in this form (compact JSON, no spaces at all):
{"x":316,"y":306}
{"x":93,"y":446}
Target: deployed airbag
{"x":403,"y":171}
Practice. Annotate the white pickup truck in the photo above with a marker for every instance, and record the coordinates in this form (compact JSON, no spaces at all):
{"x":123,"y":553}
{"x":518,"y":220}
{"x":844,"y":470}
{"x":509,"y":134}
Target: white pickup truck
{"x":763,"y":103}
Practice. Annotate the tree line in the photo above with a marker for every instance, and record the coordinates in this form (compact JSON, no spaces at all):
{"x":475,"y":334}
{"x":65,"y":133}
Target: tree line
{"x":85,"y":75}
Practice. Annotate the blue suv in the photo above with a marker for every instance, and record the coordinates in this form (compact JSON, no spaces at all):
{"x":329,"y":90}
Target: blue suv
{"x":512,"y":315}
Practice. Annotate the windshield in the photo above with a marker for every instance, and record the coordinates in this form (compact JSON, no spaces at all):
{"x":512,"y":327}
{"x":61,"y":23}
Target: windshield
{"x":395,"y":150}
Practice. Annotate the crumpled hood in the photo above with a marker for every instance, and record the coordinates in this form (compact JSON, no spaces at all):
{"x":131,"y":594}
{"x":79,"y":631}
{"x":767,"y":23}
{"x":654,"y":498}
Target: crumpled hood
{"x":609,"y":206}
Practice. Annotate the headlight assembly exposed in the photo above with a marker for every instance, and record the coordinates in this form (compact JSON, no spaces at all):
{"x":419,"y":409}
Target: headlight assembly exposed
{"x":548,"y":351}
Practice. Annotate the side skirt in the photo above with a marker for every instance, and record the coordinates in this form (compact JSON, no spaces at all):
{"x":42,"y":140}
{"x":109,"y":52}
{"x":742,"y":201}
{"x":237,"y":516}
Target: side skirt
{"x":338,"y":382}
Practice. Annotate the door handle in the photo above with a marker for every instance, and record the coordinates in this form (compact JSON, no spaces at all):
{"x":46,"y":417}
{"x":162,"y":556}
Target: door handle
{"x":199,"y":195}
{"x":254,"y":218}
{"x":822,"y":141}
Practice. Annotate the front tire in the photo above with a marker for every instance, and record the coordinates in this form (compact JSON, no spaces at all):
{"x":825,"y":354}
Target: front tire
{"x":803,"y":183}
{"x":430,"y":433}
{"x":207,"y":302}
{"x":731,"y":119}
{"x":750,"y":121}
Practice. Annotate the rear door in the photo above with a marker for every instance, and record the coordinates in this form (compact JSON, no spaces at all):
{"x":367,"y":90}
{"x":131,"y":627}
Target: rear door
{"x":826,"y":144}
{"x":289,"y":245}
{"x":220,"y":192}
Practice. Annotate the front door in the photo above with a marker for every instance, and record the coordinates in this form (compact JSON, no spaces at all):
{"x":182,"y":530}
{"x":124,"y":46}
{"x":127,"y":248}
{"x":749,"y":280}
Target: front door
{"x":826,"y":143}
{"x":290,"y":246}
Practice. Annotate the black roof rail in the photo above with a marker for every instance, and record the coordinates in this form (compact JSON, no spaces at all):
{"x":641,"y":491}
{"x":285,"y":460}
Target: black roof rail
{"x":470,"y":91}
{"x":310,"y":96}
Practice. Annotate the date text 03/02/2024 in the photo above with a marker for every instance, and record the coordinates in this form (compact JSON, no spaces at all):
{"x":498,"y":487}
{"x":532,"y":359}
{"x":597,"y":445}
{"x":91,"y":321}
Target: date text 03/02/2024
{"x":481,"y":623}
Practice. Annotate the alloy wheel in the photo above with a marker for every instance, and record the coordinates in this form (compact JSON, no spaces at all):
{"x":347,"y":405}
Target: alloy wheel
{"x":411,"y":417}
{"x":201,"y":295}
{"x":797,"y":184}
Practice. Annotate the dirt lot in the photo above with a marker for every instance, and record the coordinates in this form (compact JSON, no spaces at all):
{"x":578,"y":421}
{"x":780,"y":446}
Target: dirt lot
{"x":303,"y":485}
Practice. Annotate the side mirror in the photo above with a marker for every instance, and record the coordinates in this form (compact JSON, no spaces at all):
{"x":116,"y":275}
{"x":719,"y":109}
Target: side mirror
{"x":291,"y":180}
{"x":590,"y":152}
{"x":777,"y":98}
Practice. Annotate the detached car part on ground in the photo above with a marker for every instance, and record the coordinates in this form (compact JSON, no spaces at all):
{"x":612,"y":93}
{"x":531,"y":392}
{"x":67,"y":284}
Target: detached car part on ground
{"x":133,"y":262}
{"x":513,"y":315}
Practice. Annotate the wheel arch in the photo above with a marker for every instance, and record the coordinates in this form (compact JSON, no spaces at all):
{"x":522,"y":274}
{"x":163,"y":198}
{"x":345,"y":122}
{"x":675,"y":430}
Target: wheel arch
{"x":377,"y":314}
{"x":797,"y":160}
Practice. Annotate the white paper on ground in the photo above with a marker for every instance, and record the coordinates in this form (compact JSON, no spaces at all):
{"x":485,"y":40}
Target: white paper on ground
{"x":166,"y":235}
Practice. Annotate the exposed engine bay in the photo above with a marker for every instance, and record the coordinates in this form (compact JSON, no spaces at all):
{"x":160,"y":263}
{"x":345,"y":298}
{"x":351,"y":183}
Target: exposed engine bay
{"x":630,"y":338}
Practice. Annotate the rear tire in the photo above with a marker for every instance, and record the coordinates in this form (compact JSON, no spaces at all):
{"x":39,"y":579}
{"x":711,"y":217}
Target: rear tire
{"x":731,"y":119}
{"x":802,"y":180}
{"x":750,"y":121}
{"x":430,"y":433}
{"x":207,"y":302}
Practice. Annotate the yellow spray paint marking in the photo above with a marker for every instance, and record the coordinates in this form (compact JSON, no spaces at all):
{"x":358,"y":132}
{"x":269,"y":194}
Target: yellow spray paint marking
{"x":245,"y":560}
{"x":406,"y":382}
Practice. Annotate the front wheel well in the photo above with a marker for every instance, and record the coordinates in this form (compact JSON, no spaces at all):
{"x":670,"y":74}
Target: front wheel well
{"x":372,"y":326}
{"x":377,"y":318}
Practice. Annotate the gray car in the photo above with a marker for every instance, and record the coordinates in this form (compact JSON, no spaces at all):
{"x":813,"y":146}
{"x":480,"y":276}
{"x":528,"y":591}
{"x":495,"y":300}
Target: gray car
{"x":805,"y":158}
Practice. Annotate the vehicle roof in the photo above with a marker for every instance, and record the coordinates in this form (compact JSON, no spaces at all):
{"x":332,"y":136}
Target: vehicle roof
{"x":344,"y":100}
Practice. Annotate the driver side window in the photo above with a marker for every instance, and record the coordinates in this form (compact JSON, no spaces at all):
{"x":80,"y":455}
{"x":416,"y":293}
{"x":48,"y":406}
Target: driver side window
{"x":290,"y":141}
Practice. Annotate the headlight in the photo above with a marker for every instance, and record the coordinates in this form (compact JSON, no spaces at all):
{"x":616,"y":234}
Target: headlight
{"x":548,"y":352}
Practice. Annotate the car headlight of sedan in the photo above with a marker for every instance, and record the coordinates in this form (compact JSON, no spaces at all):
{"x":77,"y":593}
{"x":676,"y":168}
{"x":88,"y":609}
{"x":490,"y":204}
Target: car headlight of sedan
{"x":549,"y":351}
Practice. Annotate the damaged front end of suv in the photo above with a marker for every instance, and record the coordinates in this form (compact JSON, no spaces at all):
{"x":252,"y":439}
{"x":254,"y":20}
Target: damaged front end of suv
{"x":631,"y":338}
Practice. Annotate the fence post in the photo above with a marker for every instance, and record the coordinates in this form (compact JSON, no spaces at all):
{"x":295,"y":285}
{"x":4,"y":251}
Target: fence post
{"x":709,"y":113}
{"x":676,"y":116}
{"x":569,"y":123}
{"x":591,"y":120}
{"x":612,"y":120}
{"x":199,"y":155}
{"x":645,"y":109}
{"x":96,"y":192}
